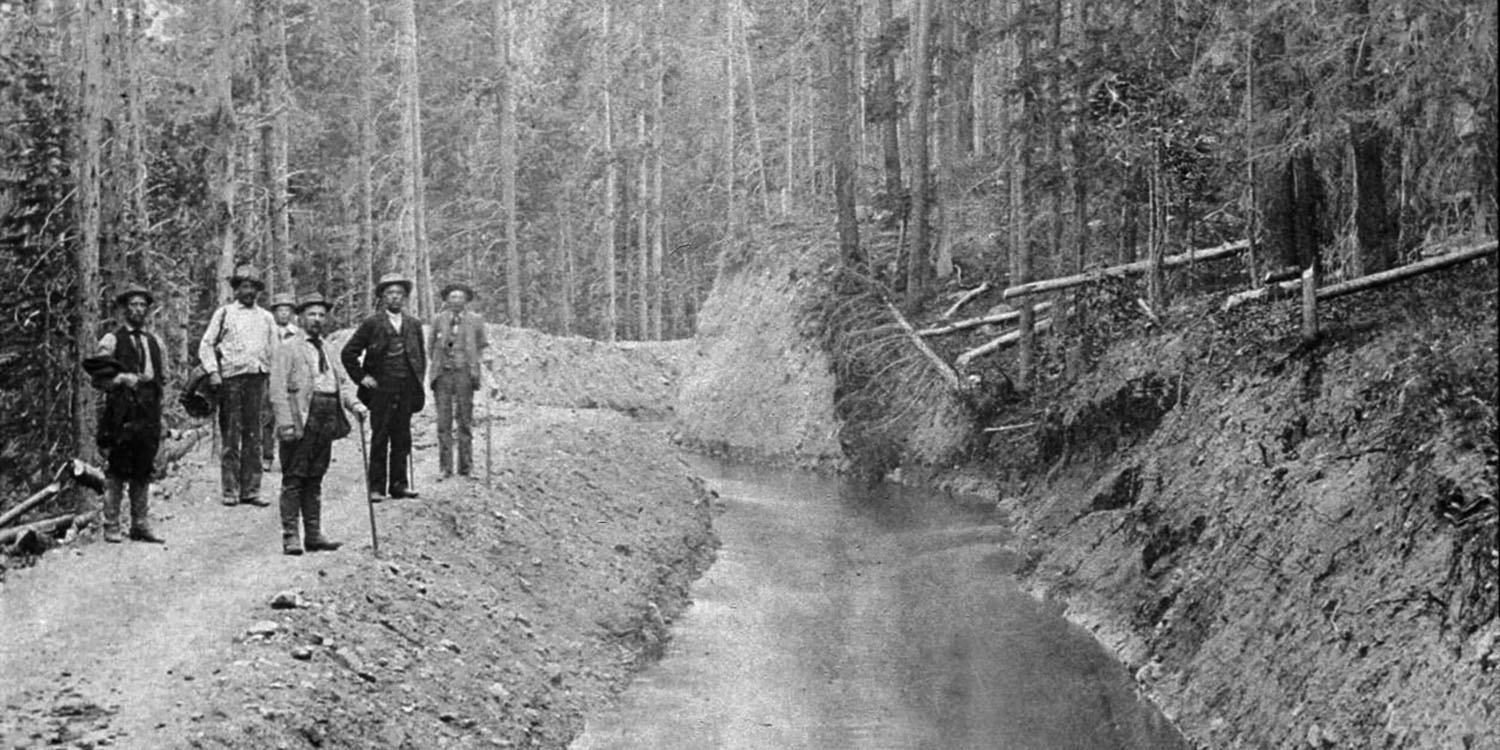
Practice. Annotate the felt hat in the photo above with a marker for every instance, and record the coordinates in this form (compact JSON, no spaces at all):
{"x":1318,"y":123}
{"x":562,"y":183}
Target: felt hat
{"x":283,"y":298}
{"x":457,"y":286}
{"x":390,"y":279}
{"x":132,"y":290}
{"x":247,"y":272}
{"x":312,"y":298}
{"x":102,"y":368}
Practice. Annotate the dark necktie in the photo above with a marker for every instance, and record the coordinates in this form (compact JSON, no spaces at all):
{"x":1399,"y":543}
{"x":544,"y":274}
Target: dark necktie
{"x":317,"y":343}
{"x":139,"y":340}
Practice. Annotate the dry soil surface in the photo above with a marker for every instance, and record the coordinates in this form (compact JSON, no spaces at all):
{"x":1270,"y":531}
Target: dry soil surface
{"x":496,"y":614}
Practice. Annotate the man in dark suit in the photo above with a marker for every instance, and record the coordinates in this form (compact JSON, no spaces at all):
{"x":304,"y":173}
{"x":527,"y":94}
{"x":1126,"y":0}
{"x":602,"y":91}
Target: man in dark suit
{"x":387,"y":356}
{"x":130,"y":425}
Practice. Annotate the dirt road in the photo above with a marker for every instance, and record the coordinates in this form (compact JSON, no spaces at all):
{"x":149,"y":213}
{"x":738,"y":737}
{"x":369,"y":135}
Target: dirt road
{"x":494,"y":617}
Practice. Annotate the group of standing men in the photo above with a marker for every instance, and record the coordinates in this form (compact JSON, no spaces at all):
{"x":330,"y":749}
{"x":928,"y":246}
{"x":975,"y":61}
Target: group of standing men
{"x":254,"y":357}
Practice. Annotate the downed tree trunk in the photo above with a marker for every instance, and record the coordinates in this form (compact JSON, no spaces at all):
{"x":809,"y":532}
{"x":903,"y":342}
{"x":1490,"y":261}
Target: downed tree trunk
{"x":997,"y":318}
{"x":964,"y":359}
{"x":965,"y":299}
{"x":949,"y":376}
{"x":45,"y":526}
{"x":1383,"y":278}
{"x":1371,"y":281}
{"x":1128,"y":269}
{"x":75,"y":470}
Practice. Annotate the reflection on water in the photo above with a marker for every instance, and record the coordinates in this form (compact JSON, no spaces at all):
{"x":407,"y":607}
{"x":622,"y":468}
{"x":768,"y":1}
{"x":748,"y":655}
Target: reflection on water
{"x":869,"y":619}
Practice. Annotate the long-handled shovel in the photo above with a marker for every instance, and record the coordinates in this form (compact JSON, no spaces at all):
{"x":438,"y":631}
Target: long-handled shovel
{"x":364,"y":454}
{"x":489,"y":429}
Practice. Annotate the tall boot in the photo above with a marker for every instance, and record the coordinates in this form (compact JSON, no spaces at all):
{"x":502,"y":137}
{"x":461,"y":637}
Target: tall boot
{"x":312,"y":524}
{"x":114,"y":491}
{"x":291,"y":505}
{"x":140,"y":520}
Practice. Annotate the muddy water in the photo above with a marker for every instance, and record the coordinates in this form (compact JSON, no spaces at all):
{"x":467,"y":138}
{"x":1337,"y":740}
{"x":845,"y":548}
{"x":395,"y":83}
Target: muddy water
{"x":839,"y":618}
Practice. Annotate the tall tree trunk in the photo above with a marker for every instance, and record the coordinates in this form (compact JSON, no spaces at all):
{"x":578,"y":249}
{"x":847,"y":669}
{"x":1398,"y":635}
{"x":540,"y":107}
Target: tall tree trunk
{"x":889,"y":108}
{"x":414,"y":215}
{"x":762,"y":167}
{"x":225,"y":131}
{"x":91,"y":125}
{"x":1080,"y":342}
{"x":643,"y":224}
{"x":133,"y":32}
{"x":731,"y":81}
{"x":946,"y":195}
{"x":611,"y":189}
{"x":366,"y":127}
{"x":918,"y":263}
{"x":658,"y":220}
{"x":271,"y":27}
{"x":1018,"y":135}
{"x":839,"y":43}
{"x":1372,"y":227}
{"x":504,"y":41}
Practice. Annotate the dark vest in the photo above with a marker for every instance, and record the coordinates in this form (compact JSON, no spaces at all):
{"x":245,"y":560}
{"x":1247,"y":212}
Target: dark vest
{"x":131,"y":358}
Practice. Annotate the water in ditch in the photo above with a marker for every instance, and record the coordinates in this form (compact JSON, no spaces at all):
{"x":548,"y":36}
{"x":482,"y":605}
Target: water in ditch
{"x":847,"y":618}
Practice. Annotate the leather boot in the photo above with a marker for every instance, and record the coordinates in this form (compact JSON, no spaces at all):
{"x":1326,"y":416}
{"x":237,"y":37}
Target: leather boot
{"x":291,"y":507}
{"x":312,"y":525}
{"x":140,"y":517}
{"x":114,"y":491}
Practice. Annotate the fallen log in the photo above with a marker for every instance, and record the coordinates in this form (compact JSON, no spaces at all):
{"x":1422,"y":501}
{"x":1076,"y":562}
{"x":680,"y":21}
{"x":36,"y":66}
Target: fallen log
{"x":44,"y":526}
{"x":1419,"y":268}
{"x":1122,"y":271}
{"x":996,"y":344}
{"x":1370,"y":281}
{"x":74,"y":470}
{"x":949,"y":376}
{"x":965,"y":299}
{"x":995,"y":319}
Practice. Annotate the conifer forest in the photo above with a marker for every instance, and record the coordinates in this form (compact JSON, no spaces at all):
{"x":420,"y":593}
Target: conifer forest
{"x":590,"y":165}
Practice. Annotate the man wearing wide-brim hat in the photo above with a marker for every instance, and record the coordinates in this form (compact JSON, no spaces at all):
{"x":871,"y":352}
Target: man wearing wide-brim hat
{"x":130,"y":367}
{"x":459,"y":350}
{"x":387,"y":358}
{"x":283,"y":309}
{"x":236,"y":352}
{"x":309,"y":392}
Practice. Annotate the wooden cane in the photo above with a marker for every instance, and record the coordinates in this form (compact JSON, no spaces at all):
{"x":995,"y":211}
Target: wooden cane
{"x":489,"y":429}
{"x":364,"y":454}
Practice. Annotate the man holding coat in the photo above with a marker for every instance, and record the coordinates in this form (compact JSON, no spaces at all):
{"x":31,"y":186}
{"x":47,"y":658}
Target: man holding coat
{"x":309,"y":392}
{"x":387,"y":357}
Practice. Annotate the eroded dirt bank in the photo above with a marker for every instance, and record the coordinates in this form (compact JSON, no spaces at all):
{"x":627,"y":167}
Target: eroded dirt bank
{"x":495,"y":617}
{"x":1288,"y":546}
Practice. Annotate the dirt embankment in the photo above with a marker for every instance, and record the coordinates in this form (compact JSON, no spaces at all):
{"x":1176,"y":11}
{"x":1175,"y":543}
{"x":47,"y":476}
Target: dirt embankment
{"x":1290,"y":546}
{"x":1293,"y":547}
{"x":495,"y":617}
{"x":757,"y":385}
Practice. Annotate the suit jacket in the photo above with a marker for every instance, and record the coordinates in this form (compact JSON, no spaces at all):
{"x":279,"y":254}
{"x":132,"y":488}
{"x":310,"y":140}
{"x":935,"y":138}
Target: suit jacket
{"x":466,"y":347}
{"x":367,"y":352}
{"x":294,"y":365}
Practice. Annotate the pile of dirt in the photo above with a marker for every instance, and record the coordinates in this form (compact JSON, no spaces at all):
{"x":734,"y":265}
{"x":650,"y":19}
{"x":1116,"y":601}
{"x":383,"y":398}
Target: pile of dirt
{"x":636,"y":378}
{"x":759,"y":386}
{"x":499,"y":617}
{"x":1290,"y":545}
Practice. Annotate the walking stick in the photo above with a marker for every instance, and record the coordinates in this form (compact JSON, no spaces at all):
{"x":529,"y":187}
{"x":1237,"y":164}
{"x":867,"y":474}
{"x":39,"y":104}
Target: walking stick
{"x":364,"y":454}
{"x":489,"y":429}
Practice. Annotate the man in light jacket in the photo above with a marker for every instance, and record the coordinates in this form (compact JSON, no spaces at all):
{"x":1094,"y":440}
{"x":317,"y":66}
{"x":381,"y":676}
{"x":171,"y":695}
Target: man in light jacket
{"x":236,"y":353}
{"x":459,"y":348}
{"x":309,"y":392}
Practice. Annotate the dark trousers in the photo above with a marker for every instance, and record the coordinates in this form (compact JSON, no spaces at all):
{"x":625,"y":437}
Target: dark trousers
{"x":241,"y":399}
{"x":454,"y":393}
{"x":304,"y":462}
{"x":140,"y":496}
{"x":390,"y":436}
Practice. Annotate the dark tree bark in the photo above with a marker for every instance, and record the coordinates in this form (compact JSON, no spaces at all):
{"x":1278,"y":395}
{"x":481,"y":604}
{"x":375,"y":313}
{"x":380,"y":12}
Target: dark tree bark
{"x":839,"y":42}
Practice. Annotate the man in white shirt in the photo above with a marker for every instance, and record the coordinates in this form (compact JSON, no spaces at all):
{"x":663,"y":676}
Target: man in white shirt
{"x":283,"y":309}
{"x":236,"y":352}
